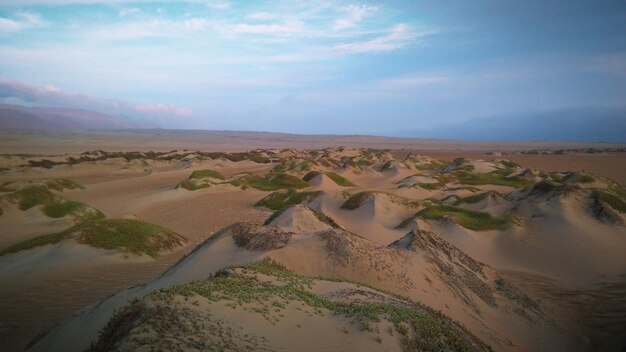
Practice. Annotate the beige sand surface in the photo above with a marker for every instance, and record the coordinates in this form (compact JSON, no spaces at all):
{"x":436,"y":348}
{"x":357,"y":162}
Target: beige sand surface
{"x":163,"y":140}
{"x":559,"y":236}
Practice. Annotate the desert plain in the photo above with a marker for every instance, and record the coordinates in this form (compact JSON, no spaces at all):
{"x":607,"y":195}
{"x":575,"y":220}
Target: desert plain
{"x":165,"y":240}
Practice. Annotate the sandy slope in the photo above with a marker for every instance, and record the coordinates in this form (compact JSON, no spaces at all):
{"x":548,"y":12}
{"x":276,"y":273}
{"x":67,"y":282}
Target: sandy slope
{"x":556,"y":237}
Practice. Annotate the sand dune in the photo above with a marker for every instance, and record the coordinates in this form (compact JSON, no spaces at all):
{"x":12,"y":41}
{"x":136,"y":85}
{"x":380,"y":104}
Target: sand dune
{"x":446,"y":235}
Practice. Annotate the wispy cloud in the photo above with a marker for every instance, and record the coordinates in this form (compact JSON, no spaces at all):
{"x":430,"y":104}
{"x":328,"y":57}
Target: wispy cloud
{"x":219,"y":5}
{"x":286,"y":28}
{"x":263,"y":16}
{"x":411,"y":81}
{"x":396,"y":38}
{"x":129,"y":11}
{"x":48,"y":95}
{"x":353,"y":15}
{"x":148,"y":29}
{"x":20,"y":21}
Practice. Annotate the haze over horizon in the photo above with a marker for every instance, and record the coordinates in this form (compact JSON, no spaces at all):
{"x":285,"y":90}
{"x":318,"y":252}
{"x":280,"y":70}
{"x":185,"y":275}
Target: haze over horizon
{"x":486,"y":70}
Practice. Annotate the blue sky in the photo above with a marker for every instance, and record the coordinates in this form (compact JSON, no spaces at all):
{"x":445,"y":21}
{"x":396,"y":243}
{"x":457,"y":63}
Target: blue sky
{"x":386,"y":68}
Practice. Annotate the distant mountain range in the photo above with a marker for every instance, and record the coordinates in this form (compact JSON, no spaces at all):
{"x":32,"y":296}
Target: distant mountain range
{"x":17,"y":117}
{"x":589,"y":124}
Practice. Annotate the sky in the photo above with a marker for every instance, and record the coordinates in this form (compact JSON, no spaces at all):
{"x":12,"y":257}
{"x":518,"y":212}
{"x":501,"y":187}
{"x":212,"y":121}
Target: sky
{"x":400,"y":68}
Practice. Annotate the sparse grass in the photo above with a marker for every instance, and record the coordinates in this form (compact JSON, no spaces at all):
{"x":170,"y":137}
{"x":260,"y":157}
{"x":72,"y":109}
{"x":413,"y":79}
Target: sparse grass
{"x":62,"y":184}
{"x":6,"y":187}
{"x":405,"y":223}
{"x":32,"y":196}
{"x":494,"y":179}
{"x":509,"y":164}
{"x":272,"y":182}
{"x":613,"y":201}
{"x":121,"y":323}
{"x":202,"y":179}
{"x":123,"y":235}
{"x":207,"y":174}
{"x":53,"y":205}
{"x":363,"y":162}
{"x":285,"y":198}
{"x":34,"y":242}
{"x":325,"y":219}
{"x":311,"y":175}
{"x":386,"y":165}
{"x":431,"y":186}
{"x":340,"y":180}
{"x":79,"y":211}
{"x":474,"y":198}
{"x":274,"y":216}
{"x":577,"y":177}
{"x":442,"y":180}
{"x":464,"y":188}
{"x":473,"y":220}
{"x":128,"y":236}
{"x":421,"y":328}
{"x":356,"y":200}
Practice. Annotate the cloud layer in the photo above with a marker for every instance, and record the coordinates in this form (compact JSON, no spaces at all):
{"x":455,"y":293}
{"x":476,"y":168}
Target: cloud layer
{"x":27,"y":94}
{"x":313,"y":66}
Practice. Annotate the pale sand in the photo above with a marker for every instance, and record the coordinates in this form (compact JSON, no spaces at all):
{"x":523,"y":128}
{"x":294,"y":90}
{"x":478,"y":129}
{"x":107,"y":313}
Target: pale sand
{"x":163,"y":140}
{"x":558,"y":240}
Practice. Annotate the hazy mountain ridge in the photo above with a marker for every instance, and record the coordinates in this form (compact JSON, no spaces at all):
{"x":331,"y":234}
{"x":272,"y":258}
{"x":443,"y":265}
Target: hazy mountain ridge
{"x":590,"y":124}
{"x":16,"y":117}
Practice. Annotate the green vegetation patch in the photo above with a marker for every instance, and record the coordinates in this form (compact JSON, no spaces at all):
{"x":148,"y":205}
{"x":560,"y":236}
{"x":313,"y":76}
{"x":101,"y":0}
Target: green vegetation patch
{"x":325,"y":219}
{"x":34,"y":242}
{"x":612,"y":200}
{"x":475,"y":198}
{"x":509,"y":164}
{"x":470,"y":219}
{"x":420,"y":328}
{"x":8,"y":186}
{"x":442,"y":180}
{"x":272,"y":182}
{"x":32,"y":196}
{"x":493,"y":179}
{"x":311,"y":175}
{"x":274,"y":216}
{"x":63,"y":184}
{"x":53,"y":205}
{"x":338,"y":179}
{"x":357,"y":199}
{"x":286,"y":198}
{"x":123,"y":235}
{"x":578,"y":177}
{"x":207,"y":174}
{"x":405,"y":223}
{"x":202,"y":179}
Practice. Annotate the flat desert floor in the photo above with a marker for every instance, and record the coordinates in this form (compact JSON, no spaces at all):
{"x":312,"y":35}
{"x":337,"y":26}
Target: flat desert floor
{"x":393,"y":244}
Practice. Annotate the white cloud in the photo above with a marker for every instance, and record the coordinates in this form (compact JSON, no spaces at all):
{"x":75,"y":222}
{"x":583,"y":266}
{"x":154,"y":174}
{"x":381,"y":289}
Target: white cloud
{"x":263,"y":16}
{"x":21,"y":21}
{"x":129,"y":11}
{"x":353,"y":15}
{"x":48,"y":95}
{"x":411,"y":82}
{"x":286,"y":28}
{"x":219,"y":5}
{"x":397,"y":37}
{"x":148,"y":29}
